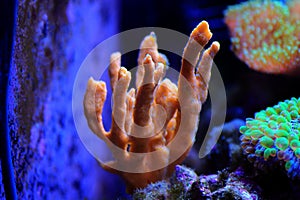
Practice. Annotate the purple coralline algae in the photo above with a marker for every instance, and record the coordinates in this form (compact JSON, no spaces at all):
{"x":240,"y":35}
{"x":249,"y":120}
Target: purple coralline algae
{"x":186,"y":184}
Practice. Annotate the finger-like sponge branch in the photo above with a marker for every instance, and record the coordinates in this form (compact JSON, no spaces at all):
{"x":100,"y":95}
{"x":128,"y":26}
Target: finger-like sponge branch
{"x":155,"y":123}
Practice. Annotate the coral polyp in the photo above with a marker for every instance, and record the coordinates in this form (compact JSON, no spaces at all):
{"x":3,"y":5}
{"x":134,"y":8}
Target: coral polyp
{"x":265,"y":36}
{"x":273,"y":136}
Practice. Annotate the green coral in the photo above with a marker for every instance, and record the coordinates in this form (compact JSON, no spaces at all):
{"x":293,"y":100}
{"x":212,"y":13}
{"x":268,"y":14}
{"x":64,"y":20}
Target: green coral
{"x":274,"y":133}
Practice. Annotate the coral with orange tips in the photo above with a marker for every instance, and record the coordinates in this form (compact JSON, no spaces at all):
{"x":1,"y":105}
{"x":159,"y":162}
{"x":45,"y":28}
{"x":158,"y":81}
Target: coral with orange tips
{"x":147,"y":119}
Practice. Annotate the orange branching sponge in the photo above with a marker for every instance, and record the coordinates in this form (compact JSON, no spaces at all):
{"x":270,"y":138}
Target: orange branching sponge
{"x":146,"y":120}
{"x":265,"y":36}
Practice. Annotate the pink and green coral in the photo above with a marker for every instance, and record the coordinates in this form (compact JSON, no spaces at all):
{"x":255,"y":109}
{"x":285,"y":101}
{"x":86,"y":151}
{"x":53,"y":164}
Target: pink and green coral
{"x":273,"y":136}
{"x":265,"y":35}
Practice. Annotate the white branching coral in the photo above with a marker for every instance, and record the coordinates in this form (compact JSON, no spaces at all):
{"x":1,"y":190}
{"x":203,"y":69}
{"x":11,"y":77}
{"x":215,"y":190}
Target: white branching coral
{"x":146,"y":120}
